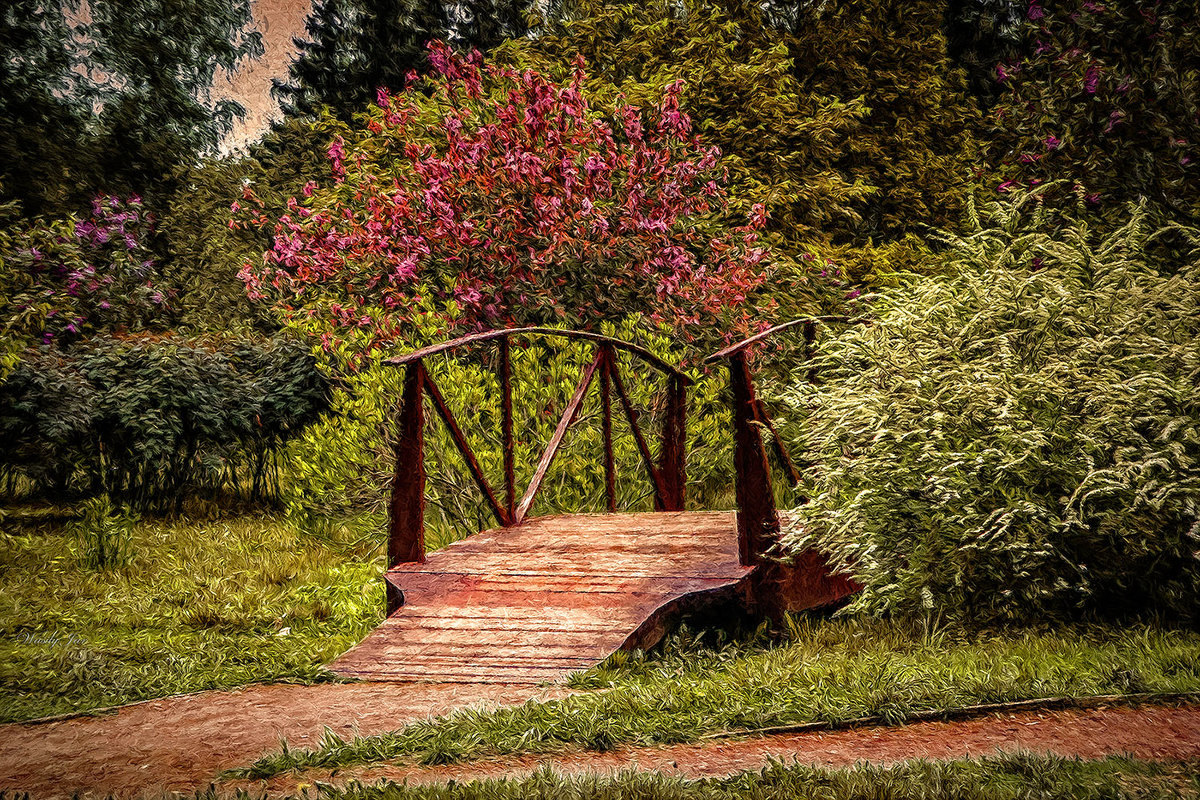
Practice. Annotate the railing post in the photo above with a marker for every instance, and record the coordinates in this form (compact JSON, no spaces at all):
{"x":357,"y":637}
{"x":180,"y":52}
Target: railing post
{"x":610,"y":467}
{"x":506,"y":427}
{"x":757,"y":519}
{"x":406,"y":536}
{"x":672,"y":459}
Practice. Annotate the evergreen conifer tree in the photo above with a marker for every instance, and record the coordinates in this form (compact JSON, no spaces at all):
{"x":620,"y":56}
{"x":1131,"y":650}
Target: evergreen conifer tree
{"x":355,"y":47}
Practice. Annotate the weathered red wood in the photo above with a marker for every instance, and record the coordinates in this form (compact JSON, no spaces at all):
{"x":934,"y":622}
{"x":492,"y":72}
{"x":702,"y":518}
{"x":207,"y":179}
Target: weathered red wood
{"x":506,"y":426}
{"x":758,"y":337}
{"x":631,"y":415}
{"x":464,"y":448}
{"x":503,"y":607}
{"x":757,"y":520}
{"x":810,"y":339}
{"x":569,"y":415}
{"x":406,"y":535}
{"x":672,"y":461}
{"x":785,"y":460}
{"x":610,"y":467}
{"x":504,"y":333}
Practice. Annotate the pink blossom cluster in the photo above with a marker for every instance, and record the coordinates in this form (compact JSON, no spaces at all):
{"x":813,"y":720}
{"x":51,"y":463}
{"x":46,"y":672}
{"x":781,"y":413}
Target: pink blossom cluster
{"x":507,"y":194}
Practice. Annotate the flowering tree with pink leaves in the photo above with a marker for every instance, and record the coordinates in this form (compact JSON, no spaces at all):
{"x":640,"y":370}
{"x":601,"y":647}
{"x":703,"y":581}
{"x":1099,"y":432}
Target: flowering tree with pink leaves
{"x":500,"y":197}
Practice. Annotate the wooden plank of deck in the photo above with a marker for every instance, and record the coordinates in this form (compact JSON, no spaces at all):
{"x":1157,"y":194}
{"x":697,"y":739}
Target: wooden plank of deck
{"x":554,"y":595}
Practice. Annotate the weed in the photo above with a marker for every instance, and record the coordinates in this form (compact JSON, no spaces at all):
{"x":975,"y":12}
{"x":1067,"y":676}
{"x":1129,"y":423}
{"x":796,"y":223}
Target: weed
{"x":105,"y":534}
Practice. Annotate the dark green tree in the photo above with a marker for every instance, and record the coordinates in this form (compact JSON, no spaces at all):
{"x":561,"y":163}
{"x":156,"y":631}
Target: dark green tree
{"x":355,"y":47}
{"x":918,"y":146}
{"x":40,"y":157}
{"x":113,"y":96}
{"x":847,"y":119}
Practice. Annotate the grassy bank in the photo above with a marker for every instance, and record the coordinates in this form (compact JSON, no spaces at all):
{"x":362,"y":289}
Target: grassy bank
{"x":197,"y":605}
{"x":824,"y":671}
{"x":1027,"y":777}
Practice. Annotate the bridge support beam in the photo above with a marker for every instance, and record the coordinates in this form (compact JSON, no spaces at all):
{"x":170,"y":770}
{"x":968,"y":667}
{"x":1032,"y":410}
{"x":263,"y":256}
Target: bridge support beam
{"x":672,"y":459}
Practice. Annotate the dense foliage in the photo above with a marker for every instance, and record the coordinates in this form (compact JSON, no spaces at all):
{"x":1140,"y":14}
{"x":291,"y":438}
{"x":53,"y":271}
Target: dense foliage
{"x":111,"y":97}
{"x":848,"y":121}
{"x":61,"y":280}
{"x":1108,"y":99}
{"x":1020,"y":439}
{"x":148,"y":421}
{"x":352,"y":48}
{"x":504,"y":197}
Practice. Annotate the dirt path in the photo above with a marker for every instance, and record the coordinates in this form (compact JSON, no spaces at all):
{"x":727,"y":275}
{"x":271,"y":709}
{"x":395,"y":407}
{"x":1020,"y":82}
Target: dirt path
{"x":179,"y":744}
{"x":1150,"y":732}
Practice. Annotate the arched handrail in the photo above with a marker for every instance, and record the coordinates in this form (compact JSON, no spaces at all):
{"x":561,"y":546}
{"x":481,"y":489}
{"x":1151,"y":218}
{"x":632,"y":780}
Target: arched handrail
{"x":406,"y":541}
{"x":504,"y":333}
{"x":757,"y":517}
{"x":810,"y":323}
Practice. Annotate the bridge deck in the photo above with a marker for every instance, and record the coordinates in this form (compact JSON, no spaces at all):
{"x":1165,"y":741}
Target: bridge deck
{"x":537,"y":601}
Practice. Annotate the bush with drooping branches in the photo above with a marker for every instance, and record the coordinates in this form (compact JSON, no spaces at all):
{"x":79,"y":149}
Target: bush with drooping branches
{"x":1018,"y":440}
{"x":506,"y":198}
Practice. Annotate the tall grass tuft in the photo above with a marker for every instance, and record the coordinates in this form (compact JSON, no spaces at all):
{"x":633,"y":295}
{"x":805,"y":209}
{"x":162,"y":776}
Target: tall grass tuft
{"x":105,"y":534}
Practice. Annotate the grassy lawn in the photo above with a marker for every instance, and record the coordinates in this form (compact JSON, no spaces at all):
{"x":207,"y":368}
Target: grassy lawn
{"x":1022,"y":776}
{"x":200,"y":605}
{"x":824,"y":671}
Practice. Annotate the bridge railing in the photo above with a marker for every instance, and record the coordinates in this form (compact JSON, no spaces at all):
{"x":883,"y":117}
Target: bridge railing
{"x":406,"y":537}
{"x":757,"y":518}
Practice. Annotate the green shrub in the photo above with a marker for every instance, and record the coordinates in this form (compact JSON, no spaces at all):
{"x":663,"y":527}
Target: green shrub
{"x":1020,"y":439}
{"x":150,"y":420}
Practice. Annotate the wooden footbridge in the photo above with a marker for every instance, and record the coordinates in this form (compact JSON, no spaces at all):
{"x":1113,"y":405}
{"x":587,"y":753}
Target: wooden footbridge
{"x":537,"y":598}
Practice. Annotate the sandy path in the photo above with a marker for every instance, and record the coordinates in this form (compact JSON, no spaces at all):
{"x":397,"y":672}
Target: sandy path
{"x":1150,"y":732}
{"x":181,"y":743}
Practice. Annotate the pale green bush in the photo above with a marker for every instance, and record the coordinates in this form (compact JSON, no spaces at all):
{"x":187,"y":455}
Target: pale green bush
{"x":1020,"y":439}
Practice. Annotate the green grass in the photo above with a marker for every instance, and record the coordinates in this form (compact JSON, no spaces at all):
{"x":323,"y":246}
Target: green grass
{"x":199,"y":605}
{"x":825,"y":671}
{"x":1019,"y":777}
